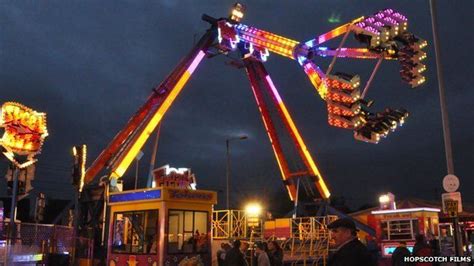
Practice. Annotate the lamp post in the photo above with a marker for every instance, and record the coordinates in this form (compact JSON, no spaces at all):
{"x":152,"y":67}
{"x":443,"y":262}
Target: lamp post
{"x":227,"y":142}
{"x":444,"y":118}
{"x":253,"y":213}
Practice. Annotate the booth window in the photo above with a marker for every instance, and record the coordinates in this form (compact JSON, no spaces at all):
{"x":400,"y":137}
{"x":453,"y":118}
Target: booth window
{"x":399,"y":229}
{"x":135,"y":232}
{"x":187,"y":231}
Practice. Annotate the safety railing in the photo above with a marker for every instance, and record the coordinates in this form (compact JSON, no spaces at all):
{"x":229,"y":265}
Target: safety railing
{"x":41,"y":244}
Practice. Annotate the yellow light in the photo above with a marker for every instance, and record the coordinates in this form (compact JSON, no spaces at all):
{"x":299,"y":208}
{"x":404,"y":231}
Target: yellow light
{"x":277,"y":155}
{"x":83,"y":167}
{"x":136,"y":147}
{"x":237,"y":13}
{"x":384,"y":199}
{"x":314,"y":169}
{"x":138,"y":144}
{"x":15,"y":118}
{"x":253,"y":209}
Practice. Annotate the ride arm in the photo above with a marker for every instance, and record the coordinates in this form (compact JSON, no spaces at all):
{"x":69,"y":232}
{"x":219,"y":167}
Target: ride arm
{"x":316,"y":76}
{"x":270,"y":128}
{"x":332,"y":34}
{"x":127,"y":143}
{"x":359,"y":53}
{"x":294,"y":132}
{"x":260,"y":79}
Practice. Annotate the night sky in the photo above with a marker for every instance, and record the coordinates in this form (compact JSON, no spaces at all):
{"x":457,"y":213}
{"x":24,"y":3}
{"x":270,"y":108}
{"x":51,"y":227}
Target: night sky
{"x":91,"y":64}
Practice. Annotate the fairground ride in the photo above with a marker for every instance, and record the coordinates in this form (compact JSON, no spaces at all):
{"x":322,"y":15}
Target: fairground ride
{"x":382,"y":36}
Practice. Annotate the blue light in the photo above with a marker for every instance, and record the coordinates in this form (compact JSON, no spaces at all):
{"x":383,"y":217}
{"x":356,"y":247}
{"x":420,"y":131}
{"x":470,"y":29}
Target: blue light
{"x":135,"y":195}
{"x":390,"y":250}
{"x":310,"y":43}
{"x":301,"y":59}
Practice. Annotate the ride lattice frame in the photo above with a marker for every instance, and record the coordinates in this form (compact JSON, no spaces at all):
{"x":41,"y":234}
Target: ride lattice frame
{"x":304,"y":240}
{"x":232,"y":224}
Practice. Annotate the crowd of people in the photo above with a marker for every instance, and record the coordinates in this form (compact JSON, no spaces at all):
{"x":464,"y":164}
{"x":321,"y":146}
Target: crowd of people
{"x":421,"y":249}
{"x":348,"y":250}
{"x":266,"y":254}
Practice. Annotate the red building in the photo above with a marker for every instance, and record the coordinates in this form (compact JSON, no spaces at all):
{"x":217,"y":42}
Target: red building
{"x":405,"y":219}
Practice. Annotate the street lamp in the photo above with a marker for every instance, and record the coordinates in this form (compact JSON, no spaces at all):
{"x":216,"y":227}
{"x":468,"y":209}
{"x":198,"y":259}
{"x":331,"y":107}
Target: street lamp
{"x":253,"y":211}
{"x":227,"y":141}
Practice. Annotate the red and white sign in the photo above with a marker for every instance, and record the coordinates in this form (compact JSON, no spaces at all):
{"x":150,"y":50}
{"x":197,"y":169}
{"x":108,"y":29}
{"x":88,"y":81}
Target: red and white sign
{"x":167,"y":176}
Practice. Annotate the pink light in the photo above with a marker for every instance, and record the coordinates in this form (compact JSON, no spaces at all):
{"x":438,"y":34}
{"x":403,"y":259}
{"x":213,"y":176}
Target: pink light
{"x":196,"y":61}
{"x":307,"y":67}
{"x":407,"y":210}
{"x":322,"y":39}
{"x":274,"y":90}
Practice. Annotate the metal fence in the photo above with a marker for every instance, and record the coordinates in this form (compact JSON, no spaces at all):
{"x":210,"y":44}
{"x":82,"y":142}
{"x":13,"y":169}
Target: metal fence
{"x":42,"y":244}
{"x":234,"y":224}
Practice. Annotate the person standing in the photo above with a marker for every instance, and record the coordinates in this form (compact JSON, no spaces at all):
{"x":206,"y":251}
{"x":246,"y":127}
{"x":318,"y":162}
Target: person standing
{"x":275,"y":253}
{"x":221,"y":255}
{"x":234,"y":257}
{"x":421,"y":249}
{"x":399,"y":254}
{"x":349,"y":250}
{"x":262,"y":257}
{"x":244,"y":248}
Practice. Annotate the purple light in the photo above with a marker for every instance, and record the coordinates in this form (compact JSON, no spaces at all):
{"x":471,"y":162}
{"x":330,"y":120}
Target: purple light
{"x":370,"y":20}
{"x":378,"y":24}
{"x":380,"y":15}
{"x":391,"y":21}
{"x":372,"y":29}
{"x":399,"y":16}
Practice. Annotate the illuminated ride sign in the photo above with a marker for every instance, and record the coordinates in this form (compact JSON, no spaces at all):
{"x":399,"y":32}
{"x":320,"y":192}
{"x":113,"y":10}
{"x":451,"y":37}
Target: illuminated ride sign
{"x":167,"y":176}
{"x":178,"y":194}
{"x":25,"y":131}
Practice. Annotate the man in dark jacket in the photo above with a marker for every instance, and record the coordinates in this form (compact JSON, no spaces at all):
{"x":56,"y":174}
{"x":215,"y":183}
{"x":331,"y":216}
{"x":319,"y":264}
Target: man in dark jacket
{"x":349,"y":250}
{"x":399,"y":255}
{"x":234,"y":256}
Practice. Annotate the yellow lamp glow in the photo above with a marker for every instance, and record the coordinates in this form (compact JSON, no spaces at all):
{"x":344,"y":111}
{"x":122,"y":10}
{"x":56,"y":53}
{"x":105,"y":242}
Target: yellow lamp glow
{"x":384,"y":199}
{"x":253,"y":209}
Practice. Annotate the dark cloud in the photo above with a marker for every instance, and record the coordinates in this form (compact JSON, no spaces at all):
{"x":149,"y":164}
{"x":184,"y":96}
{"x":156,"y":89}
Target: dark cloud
{"x":91,"y":64}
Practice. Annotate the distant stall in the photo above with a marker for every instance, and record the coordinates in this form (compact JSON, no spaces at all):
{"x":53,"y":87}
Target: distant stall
{"x":393,"y":226}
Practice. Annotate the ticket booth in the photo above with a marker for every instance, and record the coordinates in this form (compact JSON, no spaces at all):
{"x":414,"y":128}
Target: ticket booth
{"x":395,"y":225}
{"x":160,"y":226}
